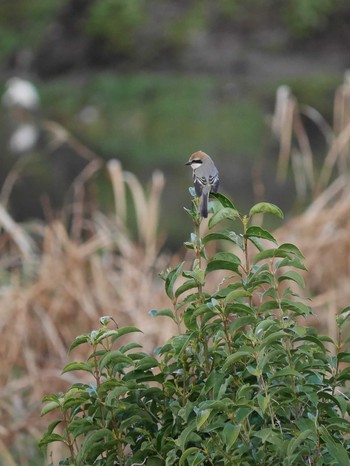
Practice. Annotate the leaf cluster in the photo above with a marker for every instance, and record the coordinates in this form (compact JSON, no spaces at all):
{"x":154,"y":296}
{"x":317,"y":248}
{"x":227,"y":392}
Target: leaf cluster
{"x":244,"y":382}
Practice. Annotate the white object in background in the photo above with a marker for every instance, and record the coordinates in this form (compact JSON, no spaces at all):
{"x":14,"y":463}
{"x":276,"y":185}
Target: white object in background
{"x":21,"y":93}
{"x":24,"y":138}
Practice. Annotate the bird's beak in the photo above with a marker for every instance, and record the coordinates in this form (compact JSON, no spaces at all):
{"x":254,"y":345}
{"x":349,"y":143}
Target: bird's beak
{"x":188,"y":163}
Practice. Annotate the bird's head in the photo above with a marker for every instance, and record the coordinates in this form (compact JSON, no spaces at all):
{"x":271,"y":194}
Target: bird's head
{"x":197,"y":159}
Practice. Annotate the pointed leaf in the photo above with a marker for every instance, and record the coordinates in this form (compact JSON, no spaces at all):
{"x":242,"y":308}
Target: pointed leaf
{"x":190,"y":451}
{"x":286,"y":372}
{"x":77,"y":366}
{"x":78,"y":341}
{"x":292,"y":249}
{"x":237,"y":356}
{"x":268,"y":254}
{"x":51,"y":438}
{"x":226,"y":235}
{"x":224,"y":201}
{"x":114,"y":358}
{"x":235,"y":294}
{"x":242,"y":322}
{"x":294,"y":276}
{"x":223,"y":261}
{"x":125,"y":331}
{"x":163,"y":312}
{"x":188,"y":285}
{"x":287,"y":262}
{"x":266,"y":207}
{"x":202,"y":417}
{"x":222,"y":214}
{"x":171,"y":279}
{"x":231,"y":433}
{"x":335,"y":449}
{"x":258,"y":232}
{"x":51,"y":406}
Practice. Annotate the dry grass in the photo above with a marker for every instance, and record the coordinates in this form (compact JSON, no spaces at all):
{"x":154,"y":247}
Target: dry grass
{"x":322,"y":231}
{"x":57,"y":282}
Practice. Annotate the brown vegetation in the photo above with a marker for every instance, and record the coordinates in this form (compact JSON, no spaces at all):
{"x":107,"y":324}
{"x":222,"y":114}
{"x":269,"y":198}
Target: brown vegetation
{"x":56,"y":283}
{"x":322,"y":231}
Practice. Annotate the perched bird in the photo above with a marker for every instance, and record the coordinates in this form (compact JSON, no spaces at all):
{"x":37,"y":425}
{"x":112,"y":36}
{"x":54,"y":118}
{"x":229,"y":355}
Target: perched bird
{"x":205,"y":178}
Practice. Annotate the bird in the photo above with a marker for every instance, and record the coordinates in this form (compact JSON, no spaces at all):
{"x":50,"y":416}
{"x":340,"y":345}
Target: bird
{"x":205,"y":178}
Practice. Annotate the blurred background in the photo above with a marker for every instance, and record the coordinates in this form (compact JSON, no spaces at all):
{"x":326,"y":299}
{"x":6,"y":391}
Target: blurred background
{"x":102,"y":103}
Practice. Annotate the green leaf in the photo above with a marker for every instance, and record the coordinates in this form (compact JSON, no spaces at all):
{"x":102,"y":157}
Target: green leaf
{"x":236,"y":294}
{"x":268,"y":435}
{"x":190,"y":451}
{"x":268,"y":306}
{"x":77,"y":366}
{"x":225,"y":291}
{"x":81,"y":426}
{"x":188,"y":285}
{"x":272,"y":338}
{"x":338,"y":400}
{"x":225,"y":213}
{"x":197,"y":274}
{"x":336,"y":450}
{"x":202,"y":417}
{"x":299,"y":308}
{"x":51,"y":406}
{"x":53,"y":425}
{"x":257,"y":243}
{"x":94,"y":444}
{"x":292,"y":249}
{"x":114,"y":394}
{"x":50,"y":438}
{"x":224,"y":201}
{"x":230,"y":433}
{"x":294,"y":276}
{"x":224,"y":235}
{"x":239,"y":308}
{"x":79,"y":341}
{"x":124,"y":331}
{"x":286,"y":372}
{"x":171,"y":278}
{"x":263,"y":402}
{"x":268,"y":254}
{"x":288,"y":262}
{"x":163,"y":312}
{"x":237,"y":356}
{"x":187,"y":435}
{"x":193,"y":455}
{"x":312,"y":339}
{"x":266,"y":207}
{"x":148,"y":362}
{"x":258,"y":232}
{"x":242,"y":322}
{"x":223,"y":261}
{"x":180,"y":342}
{"x":113,"y":358}
{"x":343,"y":356}
{"x":345,"y":311}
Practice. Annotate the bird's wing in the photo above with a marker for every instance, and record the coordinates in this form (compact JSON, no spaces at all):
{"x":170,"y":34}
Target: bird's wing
{"x":214,"y":182}
{"x":198,"y":185}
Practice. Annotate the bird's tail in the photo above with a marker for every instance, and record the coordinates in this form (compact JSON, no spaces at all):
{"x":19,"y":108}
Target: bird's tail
{"x":203,"y":205}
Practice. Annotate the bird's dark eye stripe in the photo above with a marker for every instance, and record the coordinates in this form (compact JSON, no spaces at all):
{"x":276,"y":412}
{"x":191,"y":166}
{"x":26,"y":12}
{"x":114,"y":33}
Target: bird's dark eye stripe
{"x":197,"y":161}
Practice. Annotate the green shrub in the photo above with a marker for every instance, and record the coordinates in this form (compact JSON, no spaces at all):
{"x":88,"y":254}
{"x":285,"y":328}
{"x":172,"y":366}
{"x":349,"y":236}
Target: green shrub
{"x":243,"y":383}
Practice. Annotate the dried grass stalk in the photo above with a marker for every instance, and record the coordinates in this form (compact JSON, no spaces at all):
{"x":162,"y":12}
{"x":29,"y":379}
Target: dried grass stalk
{"x":64,"y":282}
